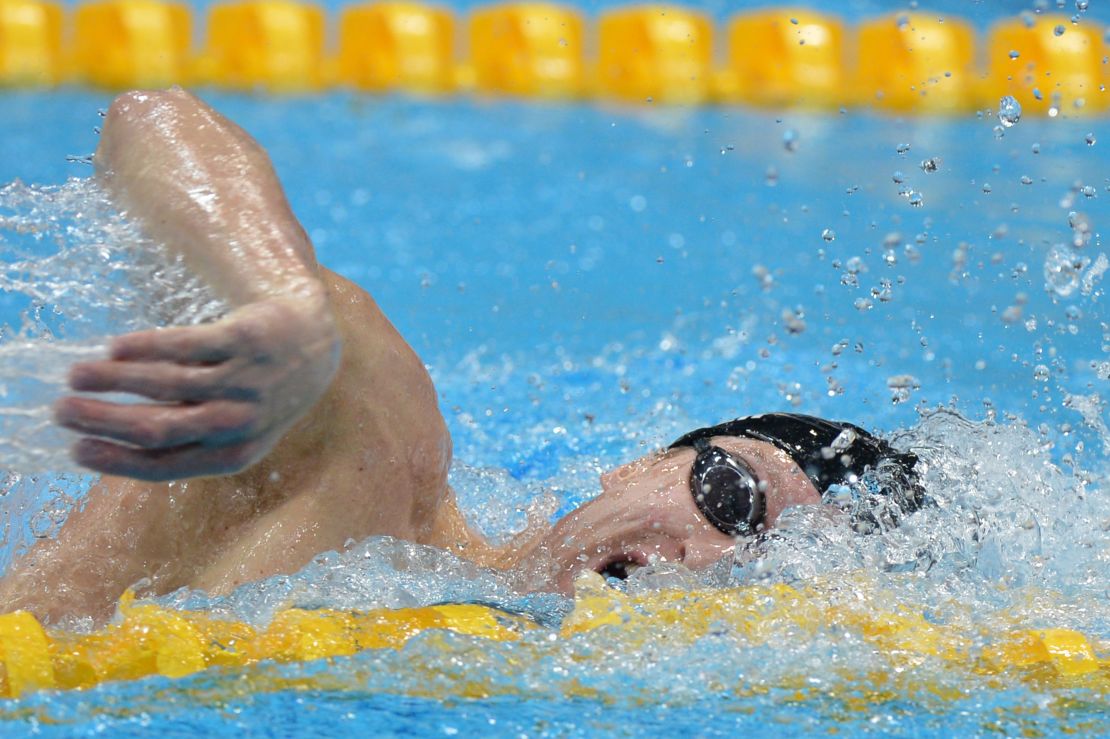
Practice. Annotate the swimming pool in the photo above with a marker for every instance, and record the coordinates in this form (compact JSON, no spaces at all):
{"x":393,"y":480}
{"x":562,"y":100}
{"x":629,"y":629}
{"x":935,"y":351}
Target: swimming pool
{"x":585,"y":282}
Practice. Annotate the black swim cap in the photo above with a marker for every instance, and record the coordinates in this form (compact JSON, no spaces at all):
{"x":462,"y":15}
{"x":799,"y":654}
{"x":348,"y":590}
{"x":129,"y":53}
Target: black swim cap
{"x":829,"y":452}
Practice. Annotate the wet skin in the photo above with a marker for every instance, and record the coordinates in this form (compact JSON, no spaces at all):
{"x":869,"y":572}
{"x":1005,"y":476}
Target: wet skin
{"x":646,"y":512}
{"x":300,"y":421}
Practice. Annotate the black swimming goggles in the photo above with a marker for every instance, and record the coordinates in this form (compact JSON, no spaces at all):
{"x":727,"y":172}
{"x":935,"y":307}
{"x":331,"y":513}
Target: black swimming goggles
{"x":727,"y":491}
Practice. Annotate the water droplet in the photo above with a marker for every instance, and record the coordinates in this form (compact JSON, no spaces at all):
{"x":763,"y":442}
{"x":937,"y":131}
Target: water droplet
{"x":1040,"y":373}
{"x":771,"y":177}
{"x":1090,"y":139}
{"x":1035,"y":148}
{"x":916,"y":200}
{"x":898,"y":177}
{"x":1081,"y":5}
{"x":1014,"y":54}
{"x":1061,"y":270}
{"x":862,"y":304}
{"x":793,"y":320}
{"x":930,"y":165}
{"x":901,"y":386}
{"x":790,"y":140}
{"x":843,"y":440}
{"x":828,"y":235}
{"x":1026,"y":179}
{"x":637,"y":203}
{"x":794,"y":21}
{"x":902,"y":148}
{"x":1059,"y":30}
{"x":1009,"y":111}
{"x":986,"y":188}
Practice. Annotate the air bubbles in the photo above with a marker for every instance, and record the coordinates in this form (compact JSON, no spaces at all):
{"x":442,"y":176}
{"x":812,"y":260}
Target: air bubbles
{"x":1026,"y":179}
{"x":1058,"y":30}
{"x":898,"y":177}
{"x":915,"y":198}
{"x":828,"y":234}
{"x":1009,"y":111}
{"x":1090,"y":139}
{"x":1041,"y":373}
{"x":1014,"y":54}
{"x":902,"y":148}
{"x":930,"y":165}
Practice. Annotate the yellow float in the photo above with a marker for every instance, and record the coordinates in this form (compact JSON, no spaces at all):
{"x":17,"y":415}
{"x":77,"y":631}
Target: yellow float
{"x":30,"y":42}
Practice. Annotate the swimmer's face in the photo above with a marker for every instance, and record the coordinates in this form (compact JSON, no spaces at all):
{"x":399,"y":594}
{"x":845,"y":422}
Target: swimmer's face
{"x":646,"y":512}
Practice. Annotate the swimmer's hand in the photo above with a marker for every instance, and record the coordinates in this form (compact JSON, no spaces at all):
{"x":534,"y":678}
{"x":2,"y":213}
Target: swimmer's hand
{"x":226,"y":392}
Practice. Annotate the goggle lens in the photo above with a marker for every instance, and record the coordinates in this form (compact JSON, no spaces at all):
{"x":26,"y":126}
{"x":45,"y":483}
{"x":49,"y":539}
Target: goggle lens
{"x":726,"y":491}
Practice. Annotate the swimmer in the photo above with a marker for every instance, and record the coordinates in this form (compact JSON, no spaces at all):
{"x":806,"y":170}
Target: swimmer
{"x":302,"y":420}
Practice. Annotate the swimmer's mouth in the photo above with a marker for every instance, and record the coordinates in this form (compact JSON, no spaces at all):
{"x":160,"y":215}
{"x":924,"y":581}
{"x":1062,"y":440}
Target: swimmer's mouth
{"x":620,"y":568}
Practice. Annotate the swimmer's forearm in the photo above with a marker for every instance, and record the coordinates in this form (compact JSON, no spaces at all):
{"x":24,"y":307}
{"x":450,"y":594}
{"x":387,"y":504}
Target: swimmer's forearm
{"x":202,"y":186}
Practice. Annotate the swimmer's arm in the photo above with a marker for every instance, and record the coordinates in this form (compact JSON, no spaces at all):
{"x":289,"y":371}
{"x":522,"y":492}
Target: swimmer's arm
{"x":225,"y":392}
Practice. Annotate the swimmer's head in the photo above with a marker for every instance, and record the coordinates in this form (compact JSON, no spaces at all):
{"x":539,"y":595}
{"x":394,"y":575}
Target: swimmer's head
{"x":834,"y":455}
{"x":716,"y":487}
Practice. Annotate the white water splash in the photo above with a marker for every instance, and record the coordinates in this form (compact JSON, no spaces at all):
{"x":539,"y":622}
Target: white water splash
{"x":74,"y":271}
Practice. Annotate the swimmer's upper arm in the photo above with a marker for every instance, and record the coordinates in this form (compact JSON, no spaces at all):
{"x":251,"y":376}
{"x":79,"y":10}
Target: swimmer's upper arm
{"x":399,"y":417}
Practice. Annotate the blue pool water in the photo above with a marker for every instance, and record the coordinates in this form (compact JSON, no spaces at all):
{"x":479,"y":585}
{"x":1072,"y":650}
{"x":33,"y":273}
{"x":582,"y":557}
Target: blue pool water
{"x":585,"y":282}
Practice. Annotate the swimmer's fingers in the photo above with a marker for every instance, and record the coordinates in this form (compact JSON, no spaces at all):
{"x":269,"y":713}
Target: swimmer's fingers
{"x":157,"y":380}
{"x":152,"y":426}
{"x":206,"y":344}
{"x":160,"y":465}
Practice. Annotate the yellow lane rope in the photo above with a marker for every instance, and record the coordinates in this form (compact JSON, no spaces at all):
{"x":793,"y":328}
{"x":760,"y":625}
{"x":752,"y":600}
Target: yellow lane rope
{"x":664,"y":54}
{"x":150,"y":640}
